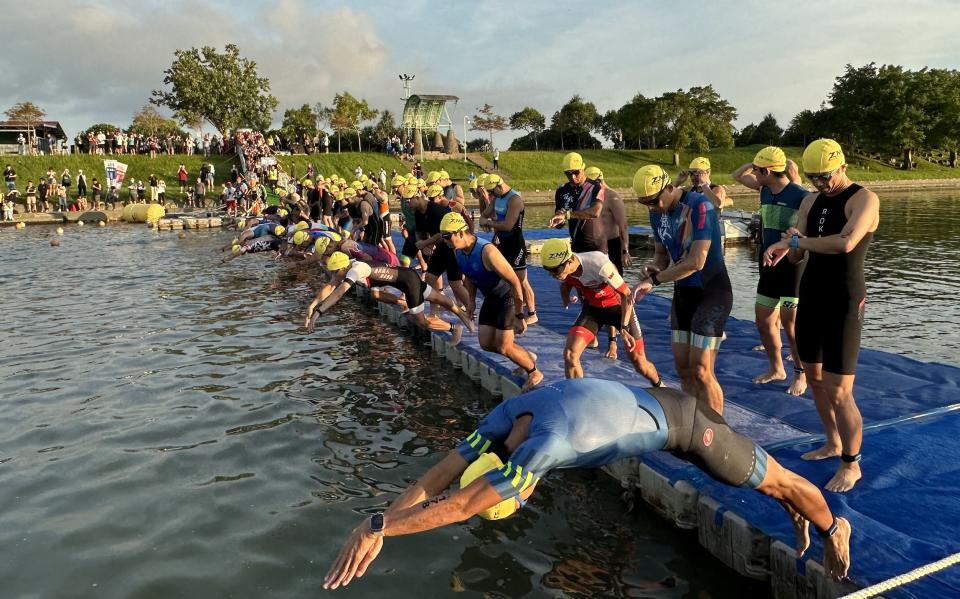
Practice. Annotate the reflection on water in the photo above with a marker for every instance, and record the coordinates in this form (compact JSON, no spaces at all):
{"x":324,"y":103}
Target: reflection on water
{"x":166,"y":430}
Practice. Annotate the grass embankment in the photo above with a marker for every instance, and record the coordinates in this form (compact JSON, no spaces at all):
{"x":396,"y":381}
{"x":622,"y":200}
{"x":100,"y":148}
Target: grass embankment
{"x":138,"y":167}
{"x":542,"y":170}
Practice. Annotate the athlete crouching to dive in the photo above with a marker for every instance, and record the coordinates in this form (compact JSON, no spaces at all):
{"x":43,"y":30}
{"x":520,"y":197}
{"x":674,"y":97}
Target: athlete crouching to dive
{"x":346,"y":272}
{"x":587,"y":423}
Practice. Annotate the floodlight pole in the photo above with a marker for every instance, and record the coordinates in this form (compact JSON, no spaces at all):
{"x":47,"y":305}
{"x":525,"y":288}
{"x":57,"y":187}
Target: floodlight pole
{"x":466,"y":120}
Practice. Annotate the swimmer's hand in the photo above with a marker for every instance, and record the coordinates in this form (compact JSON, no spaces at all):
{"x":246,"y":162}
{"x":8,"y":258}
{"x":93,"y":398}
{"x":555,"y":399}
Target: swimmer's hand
{"x":650,"y":270}
{"x":557,"y":221}
{"x":628,"y":341}
{"x":355,"y":557}
{"x":776,"y":252}
{"x":519,"y":325}
{"x":642,"y":289}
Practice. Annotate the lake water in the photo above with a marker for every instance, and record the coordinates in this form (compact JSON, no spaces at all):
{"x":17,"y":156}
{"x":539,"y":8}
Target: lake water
{"x":167,"y":431}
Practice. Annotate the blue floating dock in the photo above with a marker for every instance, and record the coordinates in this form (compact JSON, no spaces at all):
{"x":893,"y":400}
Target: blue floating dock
{"x":905,"y":512}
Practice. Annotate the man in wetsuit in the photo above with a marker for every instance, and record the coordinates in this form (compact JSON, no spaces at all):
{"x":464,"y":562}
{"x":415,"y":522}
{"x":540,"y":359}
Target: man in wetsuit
{"x":578,"y":203}
{"x":346,"y":272}
{"x":834,"y":229}
{"x":431,"y":209}
{"x":504,"y":216}
{"x":607,"y":301}
{"x":586,"y":423}
{"x":486,"y":270}
{"x":699,"y":175}
{"x":614,"y":217}
{"x":688,"y":251}
{"x":777,"y":180}
{"x":452,"y":191}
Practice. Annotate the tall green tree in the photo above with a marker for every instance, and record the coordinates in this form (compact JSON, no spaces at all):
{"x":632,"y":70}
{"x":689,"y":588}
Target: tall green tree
{"x":30,"y":115}
{"x":151,"y":123}
{"x":221,"y":88}
{"x":530,"y":120}
{"x":489,"y":121}
{"x":577,"y":118}
{"x":806,"y":126}
{"x":299,"y":122}
{"x":768,"y":131}
{"x":346,"y":115}
{"x":697,"y":118}
{"x":637,"y":120}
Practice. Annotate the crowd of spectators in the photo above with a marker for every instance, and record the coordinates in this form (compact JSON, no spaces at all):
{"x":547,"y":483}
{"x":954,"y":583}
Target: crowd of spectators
{"x":118,"y":142}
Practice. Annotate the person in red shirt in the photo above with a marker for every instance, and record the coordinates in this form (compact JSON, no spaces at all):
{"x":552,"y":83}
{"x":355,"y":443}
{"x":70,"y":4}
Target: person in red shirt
{"x":607,"y":301}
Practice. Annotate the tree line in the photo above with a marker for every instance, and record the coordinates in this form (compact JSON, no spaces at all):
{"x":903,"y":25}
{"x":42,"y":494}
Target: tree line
{"x":885,"y":110}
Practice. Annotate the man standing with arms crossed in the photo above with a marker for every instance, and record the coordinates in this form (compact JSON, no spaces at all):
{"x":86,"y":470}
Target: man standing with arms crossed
{"x":777,"y":180}
{"x":834,"y":229}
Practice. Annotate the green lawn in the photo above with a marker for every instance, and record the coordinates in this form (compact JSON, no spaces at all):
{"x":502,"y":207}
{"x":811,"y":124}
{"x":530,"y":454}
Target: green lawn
{"x":139,"y":167}
{"x":542,"y":170}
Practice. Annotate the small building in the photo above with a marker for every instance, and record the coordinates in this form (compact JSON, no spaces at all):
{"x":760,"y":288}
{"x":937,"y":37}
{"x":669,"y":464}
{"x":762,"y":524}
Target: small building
{"x":10,"y":131}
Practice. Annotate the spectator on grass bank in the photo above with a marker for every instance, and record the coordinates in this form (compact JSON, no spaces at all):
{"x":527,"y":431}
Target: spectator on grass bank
{"x":65,"y":179}
{"x":199,"y":191}
{"x":10,"y":178}
{"x":132,"y":191}
{"x":153,"y":188}
{"x":496,"y":159}
{"x":182,"y":178}
{"x":81,"y":185}
{"x":22,"y":145}
{"x":8,"y":201}
{"x":162,"y":191}
{"x":43,"y":189}
{"x":113,"y":197}
{"x":141,"y":192}
{"x":96,"y":189}
{"x":62,"y":198}
{"x":31,"y":196}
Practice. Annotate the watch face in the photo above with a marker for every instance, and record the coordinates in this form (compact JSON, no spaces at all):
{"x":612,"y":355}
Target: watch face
{"x":376,"y":522}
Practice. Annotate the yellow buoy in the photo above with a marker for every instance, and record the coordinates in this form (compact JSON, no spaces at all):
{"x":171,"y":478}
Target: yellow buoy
{"x":59,"y":230}
{"x":79,"y":223}
{"x":102,"y":224}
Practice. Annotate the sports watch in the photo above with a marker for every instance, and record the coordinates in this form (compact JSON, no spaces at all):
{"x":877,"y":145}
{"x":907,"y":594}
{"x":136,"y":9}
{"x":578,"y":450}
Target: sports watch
{"x":376,"y":524}
{"x":795,"y":242}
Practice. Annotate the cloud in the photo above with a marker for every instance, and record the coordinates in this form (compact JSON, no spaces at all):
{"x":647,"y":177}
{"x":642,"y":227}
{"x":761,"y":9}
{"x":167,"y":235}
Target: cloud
{"x":96,"y":61}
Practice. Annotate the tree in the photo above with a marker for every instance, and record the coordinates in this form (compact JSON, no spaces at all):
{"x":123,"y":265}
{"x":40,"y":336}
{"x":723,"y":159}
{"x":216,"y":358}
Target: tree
{"x":97,"y":128}
{"x":578,"y":119}
{"x":746,"y":135}
{"x":151,"y":123}
{"x":299,"y":122}
{"x":768,"y":131}
{"x":805,"y":127}
{"x":487,"y":120}
{"x":530,"y":120}
{"x":637,"y":120}
{"x":385,"y":128}
{"x":478,"y":144}
{"x":699,"y":118}
{"x":346,"y":114}
{"x":30,"y":115}
{"x":223,"y":89}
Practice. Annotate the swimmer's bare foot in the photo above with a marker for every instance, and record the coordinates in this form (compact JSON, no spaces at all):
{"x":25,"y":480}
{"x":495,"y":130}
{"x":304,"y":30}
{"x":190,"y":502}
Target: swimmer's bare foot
{"x":455,"y":334}
{"x":594,"y":344}
{"x":799,"y":385}
{"x":801,"y":529}
{"x":533,"y":379}
{"x":532,"y":318}
{"x":770,"y":376}
{"x":519,"y":371}
{"x":827,"y":451}
{"x":836,"y":551}
{"x":846,"y":477}
{"x":611,"y":350}
{"x":759,"y":348}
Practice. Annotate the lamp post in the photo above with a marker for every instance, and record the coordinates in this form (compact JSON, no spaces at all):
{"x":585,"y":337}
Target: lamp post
{"x":466,"y":121}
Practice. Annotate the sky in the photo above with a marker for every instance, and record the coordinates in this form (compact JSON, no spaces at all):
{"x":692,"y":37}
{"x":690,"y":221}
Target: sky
{"x":93,"y":61}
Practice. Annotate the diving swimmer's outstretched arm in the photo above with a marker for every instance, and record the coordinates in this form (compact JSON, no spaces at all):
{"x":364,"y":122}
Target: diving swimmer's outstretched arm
{"x":327,"y":297}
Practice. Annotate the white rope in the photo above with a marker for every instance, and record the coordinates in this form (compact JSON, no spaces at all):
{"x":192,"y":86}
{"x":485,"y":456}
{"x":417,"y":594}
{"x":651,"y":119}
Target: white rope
{"x":910,"y":576}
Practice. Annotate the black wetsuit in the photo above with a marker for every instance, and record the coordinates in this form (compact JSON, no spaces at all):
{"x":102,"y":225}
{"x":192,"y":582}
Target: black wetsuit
{"x":586,"y":235}
{"x":832,"y":291}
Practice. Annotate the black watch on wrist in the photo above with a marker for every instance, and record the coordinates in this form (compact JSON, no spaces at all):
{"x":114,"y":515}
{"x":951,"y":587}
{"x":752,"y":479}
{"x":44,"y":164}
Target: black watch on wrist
{"x":654,"y":280}
{"x":376,"y":524}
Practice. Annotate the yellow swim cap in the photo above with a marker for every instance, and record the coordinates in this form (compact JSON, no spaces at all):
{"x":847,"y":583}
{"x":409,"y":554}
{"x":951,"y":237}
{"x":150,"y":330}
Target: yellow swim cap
{"x":474,"y":182}
{"x":363,"y":178}
{"x":337,"y":261}
{"x":444,"y":175}
{"x":282,"y":212}
{"x":421,"y":183}
{"x":434,"y":191}
{"x":573,"y":162}
{"x":482,"y":180}
{"x":236,"y":249}
{"x":492,"y":181}
{"x":452,"y":222}
{"x":301,"y":226}
{"x":281,"y":193}
{"x":369,"y":184}
{"x":349,"y":192}
{"x":700,"y":164}
{"x":398,"y":181}
{"x":555,"y":252}
{"x":300,"y":236}
{"x":593,"y":173}
{"x":409,"y":191}
{"x":279,"y":231}
{"x":823,"y":156}
{"x":307,"y":182}
{"x":320,"y":245}
{"x":485,"y":463}
{"x":650,"y":180}
{"x":234,"y":242}
{"x":433,"y":177}
{"x":411,"y":180}
{"x":772,"y":158}
{"x":357,"y":185}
